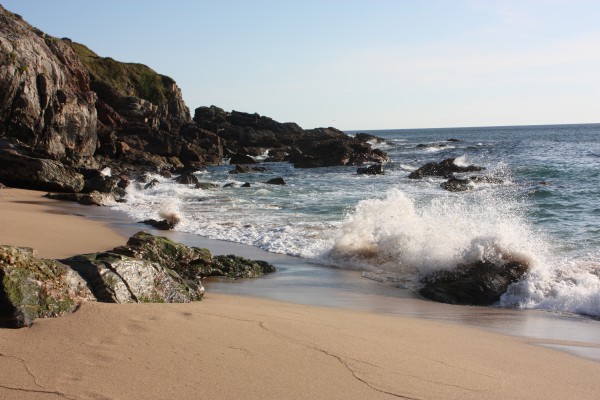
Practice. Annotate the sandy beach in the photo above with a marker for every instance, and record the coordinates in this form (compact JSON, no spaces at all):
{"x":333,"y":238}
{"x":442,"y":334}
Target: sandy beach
{"x":28,"y":219}
{"x":231,"y":347}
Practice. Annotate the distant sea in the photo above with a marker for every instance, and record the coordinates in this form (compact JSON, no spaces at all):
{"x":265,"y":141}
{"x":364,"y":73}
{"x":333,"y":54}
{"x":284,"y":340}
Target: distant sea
{"x":546,"y":211}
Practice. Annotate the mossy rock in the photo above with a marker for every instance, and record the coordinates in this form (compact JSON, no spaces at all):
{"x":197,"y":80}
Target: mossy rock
{"x":236,"y":267}
{"x":116,"y":278}
{"x":36,"y":288}
{"x":190,"y":262}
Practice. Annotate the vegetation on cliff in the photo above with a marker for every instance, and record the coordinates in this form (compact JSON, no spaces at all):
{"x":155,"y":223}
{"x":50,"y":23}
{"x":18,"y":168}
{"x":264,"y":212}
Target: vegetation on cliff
{"x":128,"y":79}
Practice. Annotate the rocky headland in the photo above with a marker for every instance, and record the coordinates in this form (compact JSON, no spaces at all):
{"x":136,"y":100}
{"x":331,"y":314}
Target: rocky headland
{"x":66,"y":114}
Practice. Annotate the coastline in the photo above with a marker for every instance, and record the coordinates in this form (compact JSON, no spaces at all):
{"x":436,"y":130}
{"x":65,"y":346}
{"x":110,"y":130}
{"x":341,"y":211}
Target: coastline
{"x":287,"y":350}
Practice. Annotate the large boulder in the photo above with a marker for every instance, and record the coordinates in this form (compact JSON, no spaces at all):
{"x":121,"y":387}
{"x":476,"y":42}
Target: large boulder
{"x":479,"y":283}
{"x":444,"y":168}
{"x":115,"y":278}
{"x":27,"y":171}
{"x":191,"y":263}
{"x":33,"y":288}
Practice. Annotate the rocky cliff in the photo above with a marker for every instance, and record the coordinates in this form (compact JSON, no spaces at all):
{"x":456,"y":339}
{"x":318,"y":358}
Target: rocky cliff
{"x":64,"y":108}
{"x":45,"y":96}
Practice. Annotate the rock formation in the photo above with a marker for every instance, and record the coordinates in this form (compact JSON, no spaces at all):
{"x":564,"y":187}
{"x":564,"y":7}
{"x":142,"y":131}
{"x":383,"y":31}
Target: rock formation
{"x":480,"y":283}
{"x":147,"y":269}
{"x":253,"y":134}
{"x":444,"y":168}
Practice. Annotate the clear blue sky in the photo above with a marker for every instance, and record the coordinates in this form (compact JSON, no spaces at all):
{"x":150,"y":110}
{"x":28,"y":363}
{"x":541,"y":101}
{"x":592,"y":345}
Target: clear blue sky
{"x":370,"y":64}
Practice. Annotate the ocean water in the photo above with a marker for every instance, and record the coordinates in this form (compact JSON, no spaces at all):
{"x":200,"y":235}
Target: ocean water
{"x":546,"y":211}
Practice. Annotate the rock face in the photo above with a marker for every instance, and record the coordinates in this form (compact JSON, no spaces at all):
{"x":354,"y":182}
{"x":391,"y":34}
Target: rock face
{"x":20,"y":167}
{"x":32,"y":288}
{"x":480,"y":283}
{"x":445,"y":168}
{"x":45,"y":96}
{"x":253,"y":134}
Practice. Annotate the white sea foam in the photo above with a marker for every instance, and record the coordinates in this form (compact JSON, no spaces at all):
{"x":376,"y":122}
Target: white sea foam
{"x":408,"y":237}
{"x":560,"y":285}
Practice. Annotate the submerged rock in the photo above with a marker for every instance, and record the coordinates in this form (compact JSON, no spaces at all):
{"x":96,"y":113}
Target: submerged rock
{"x":444,"y":168}
{"x":33,"y":288}
{"x":461,"y":185}
{"x":275,"y":181}
{"x":480,"y":283}
{"x":187,"y":179}
{"x":376,"y":169}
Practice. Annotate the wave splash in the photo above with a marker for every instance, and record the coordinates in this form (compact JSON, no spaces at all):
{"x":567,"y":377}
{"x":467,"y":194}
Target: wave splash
{"x":408,"y":238}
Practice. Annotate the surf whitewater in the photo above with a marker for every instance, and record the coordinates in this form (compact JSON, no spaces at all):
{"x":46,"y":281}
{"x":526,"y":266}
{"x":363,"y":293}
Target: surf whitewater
{"x":535,"y":202}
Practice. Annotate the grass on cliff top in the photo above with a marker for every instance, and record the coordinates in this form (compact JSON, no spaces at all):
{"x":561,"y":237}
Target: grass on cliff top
{"x":128,"y":79}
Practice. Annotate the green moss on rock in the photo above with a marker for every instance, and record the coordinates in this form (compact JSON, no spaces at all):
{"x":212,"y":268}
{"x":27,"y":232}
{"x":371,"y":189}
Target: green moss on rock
{"x":36,"y":288}
{"x":128,"y":79}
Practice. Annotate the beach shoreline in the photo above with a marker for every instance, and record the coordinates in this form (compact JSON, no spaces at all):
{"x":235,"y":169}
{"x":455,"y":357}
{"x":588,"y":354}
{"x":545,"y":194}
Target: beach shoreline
{"x":418,"y":349}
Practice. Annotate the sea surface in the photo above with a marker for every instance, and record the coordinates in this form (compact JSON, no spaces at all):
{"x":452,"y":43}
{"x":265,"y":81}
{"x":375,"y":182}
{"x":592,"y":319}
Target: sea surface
{"x":545,"y":212}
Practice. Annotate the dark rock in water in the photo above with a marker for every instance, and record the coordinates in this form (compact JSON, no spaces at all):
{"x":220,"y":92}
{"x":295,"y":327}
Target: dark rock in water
{"x":445,"y":168}
{"x":241,"y":159}
{"x":366,"y":137}
{"x":228,"y":185}
{"x":480,"y":283}
{"x":206,"y":185}
{"x":275,"y":181}
{"x":456,"y":185}
{"x":151,"y":184}
{"x":246,"y":185}
{"x":235,"y":267}
{"x":454,"y":140}
{"x":376,"y":169}
{"x":163,"y":225}
{"x":244,"y":169}
{"x":461,"y":185}
{"x":276,"y":155}
{"x":33,"y":288}
{"x":95,"y":180}
{"x":187,"y":179}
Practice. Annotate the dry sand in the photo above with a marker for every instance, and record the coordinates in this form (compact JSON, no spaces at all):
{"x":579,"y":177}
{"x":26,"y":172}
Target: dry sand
{"x":30,"y":220}
{"x":229,"y":347}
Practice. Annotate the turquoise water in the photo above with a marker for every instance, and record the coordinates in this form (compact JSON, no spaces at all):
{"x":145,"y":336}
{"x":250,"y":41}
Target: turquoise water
{"x":546,"y":212}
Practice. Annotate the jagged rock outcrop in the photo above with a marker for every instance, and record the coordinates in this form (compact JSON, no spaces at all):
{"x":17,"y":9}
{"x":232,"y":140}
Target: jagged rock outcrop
{"x":479,"y":283}
{"x":45,"y":96}
{"x":33,"y":288}
{"x":252,"y":134}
